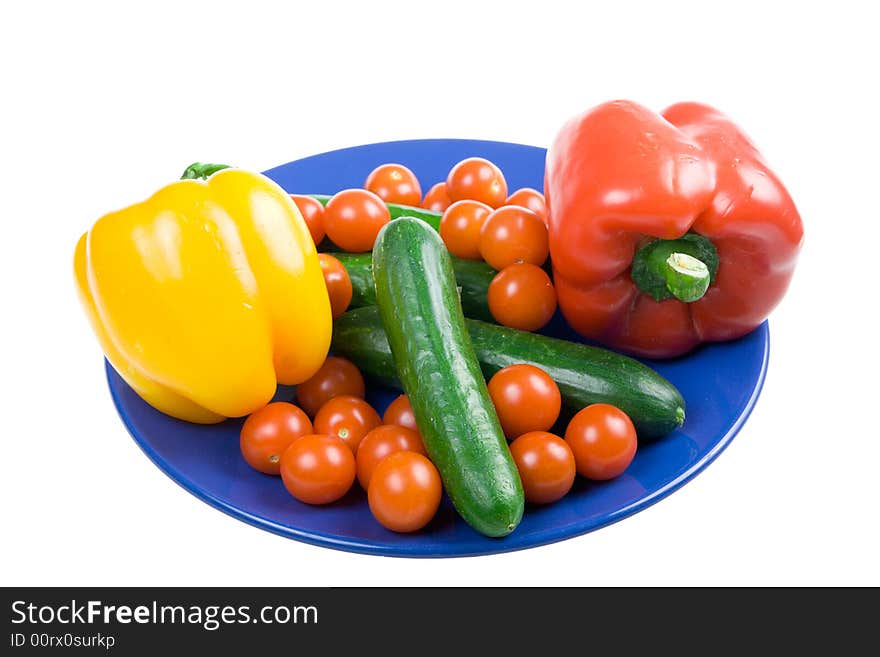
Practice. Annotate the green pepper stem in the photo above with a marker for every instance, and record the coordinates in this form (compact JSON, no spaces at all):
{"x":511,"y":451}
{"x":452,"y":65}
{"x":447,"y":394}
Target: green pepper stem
{"x":201,"y":170}
{"x":686,"y":277}
{"x":682,"y":269}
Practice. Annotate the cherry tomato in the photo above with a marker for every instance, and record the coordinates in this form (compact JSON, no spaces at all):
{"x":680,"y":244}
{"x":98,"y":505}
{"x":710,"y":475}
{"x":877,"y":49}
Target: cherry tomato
{"x":437,"y":200}
{"x":404,"y":491}
{"x":348,"y":418}
{"x":513,"y":234}
{"x":394,"y":183}
{"x":313,"y":213}
{"x":522,"y":296}
{"x":460,"y":228}
{"x":337,"y":376}
{"x":338,"y":284}
{"x":379,"y":443}
{"x":477,"y":179}
{"x":546,"y":466}
{"x":525,"y":398}
{"x":353,"y":218}
{"x":603,"y":440}
{"x":269,"y":431}
{"x":400,"y":412}
{"x":317,"y":469}
{"x":526,"y":197}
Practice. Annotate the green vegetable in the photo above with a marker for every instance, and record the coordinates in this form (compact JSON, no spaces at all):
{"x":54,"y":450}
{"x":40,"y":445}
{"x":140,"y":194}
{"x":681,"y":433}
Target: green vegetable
{"x":585,"y":375}
{"x":473,"y":278}
{"x":396,"y":211}
{"x":360,"y":271}
{"x":431,"y":351}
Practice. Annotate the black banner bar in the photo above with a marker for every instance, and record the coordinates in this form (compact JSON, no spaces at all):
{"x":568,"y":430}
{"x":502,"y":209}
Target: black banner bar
{"x":134,"y":621}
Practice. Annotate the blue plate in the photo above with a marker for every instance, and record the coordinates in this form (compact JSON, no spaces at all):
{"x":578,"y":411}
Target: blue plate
{"x":720,"y":384}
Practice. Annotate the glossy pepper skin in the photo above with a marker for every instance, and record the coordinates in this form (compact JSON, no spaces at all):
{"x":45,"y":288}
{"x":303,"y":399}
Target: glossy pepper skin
{"x":620,"y":175}
{"x":206,"y":295}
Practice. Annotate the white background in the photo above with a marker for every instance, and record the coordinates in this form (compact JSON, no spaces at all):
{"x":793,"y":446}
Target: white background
{"x":103,"y":103}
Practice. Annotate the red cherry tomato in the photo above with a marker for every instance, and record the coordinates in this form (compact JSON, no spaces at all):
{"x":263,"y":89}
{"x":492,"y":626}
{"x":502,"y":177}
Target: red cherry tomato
{"x":269,"y":431}
{"x":522,"y":296}
{"x":525,"y":398}
{"x":353,"y":218}
{"x":603,"y":440}
{"x":529,"y":198}
{"x":313,"y":213}
{"x":437,"y":200}
{"x":338,"y":284}
{"x":379,"y":443}
{"x":348,"y":418}
{"x":337,"y":376}
{"x":546,"y":466}
{"x":394,"y":183}
{"x":513,"y":234}
{"x":317,"y":469}
{"x":477,"y":179}
{"x":460,"y":228}
{"x":400,"y":412}
{"x":404,"y":491}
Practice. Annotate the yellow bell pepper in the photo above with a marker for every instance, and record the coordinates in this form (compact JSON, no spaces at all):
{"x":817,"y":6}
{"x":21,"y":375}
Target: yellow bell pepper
{"x":206,"y":295}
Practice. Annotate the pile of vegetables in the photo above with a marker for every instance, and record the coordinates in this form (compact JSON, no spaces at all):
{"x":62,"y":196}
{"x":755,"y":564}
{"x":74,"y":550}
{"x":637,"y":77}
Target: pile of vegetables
{"x":442,"y":301}
{"x":664,"y":231}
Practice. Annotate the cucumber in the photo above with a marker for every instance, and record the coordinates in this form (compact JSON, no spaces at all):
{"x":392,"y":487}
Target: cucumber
{"x":431,"y":351}
{"x":473,"y":278}
{"x":396,"y":211}
{"x":585,"y":375}
{"x":360,"y":271}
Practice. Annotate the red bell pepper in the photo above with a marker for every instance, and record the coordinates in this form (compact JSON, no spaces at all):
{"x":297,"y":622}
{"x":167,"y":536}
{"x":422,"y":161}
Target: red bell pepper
{"x":665,"y":230}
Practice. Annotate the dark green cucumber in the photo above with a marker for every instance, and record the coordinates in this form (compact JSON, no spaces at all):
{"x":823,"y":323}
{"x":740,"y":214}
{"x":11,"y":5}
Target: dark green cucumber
{"x":431,"y":351}
{"x":585,"y":375}
{"x":360,"y":271}
{"x":396,"y":211}
{"x":473,"y":278}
